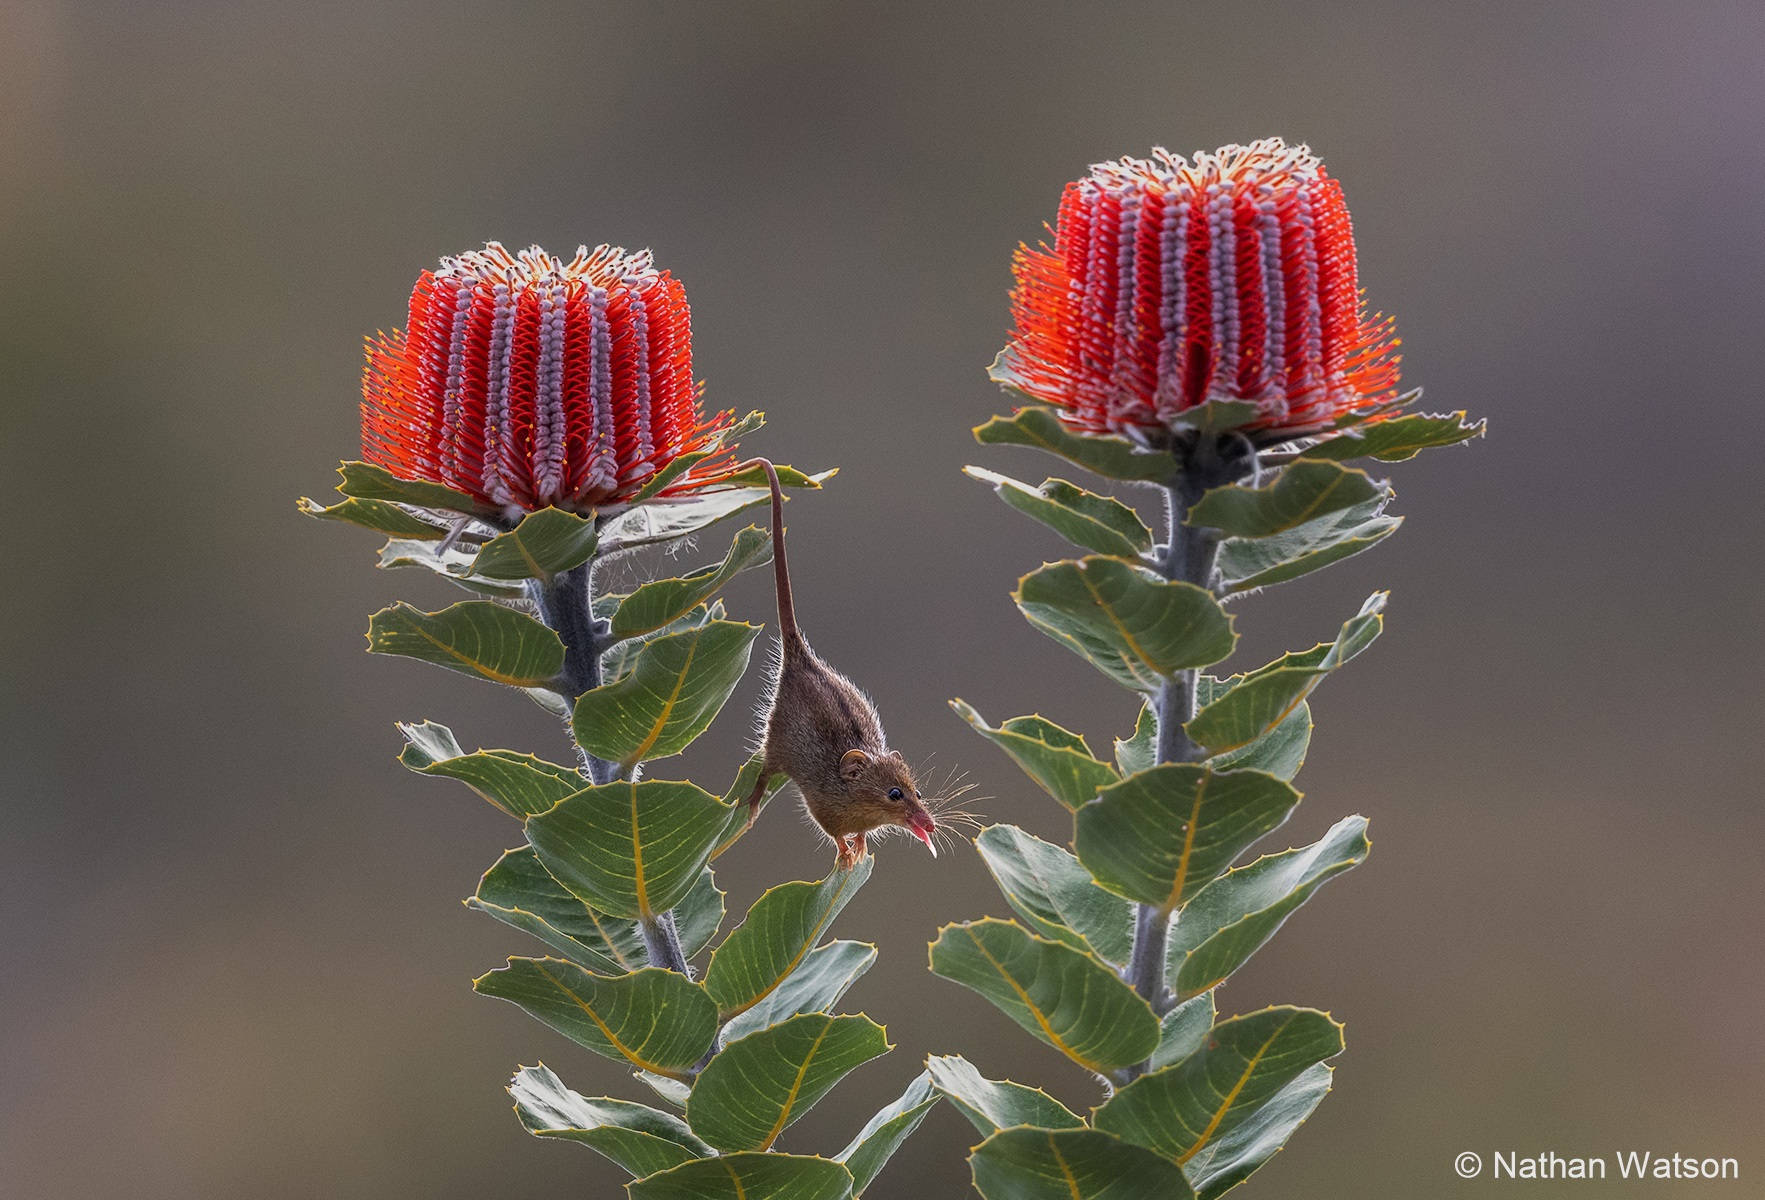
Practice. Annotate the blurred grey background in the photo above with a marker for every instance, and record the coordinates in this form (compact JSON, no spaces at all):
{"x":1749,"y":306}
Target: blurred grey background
{"x":235,"y":962}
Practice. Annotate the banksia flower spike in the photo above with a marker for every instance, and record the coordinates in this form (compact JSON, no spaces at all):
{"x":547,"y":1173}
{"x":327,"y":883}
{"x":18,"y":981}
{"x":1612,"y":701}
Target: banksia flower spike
{"x":1174,"y":283}
{"x":535,"y":421}
{"x":525,"y":381}
{"x":1197,"y":327}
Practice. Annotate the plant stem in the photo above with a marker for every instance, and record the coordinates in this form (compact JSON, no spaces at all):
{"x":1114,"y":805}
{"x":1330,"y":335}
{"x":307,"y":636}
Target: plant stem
{"x":1188,"y":557}
{"x":565,"y":603}
{"x":661,"y":941}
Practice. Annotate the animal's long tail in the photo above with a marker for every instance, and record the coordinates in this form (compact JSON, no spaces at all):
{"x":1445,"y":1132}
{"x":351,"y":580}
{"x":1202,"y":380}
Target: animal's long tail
{"x":781,"y":574}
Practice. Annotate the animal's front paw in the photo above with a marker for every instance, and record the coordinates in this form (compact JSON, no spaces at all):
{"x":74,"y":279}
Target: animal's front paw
{"x":849,"y":852}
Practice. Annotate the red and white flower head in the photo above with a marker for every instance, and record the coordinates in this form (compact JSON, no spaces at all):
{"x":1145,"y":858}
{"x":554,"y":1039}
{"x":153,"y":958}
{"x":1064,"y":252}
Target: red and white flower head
{"x":527,"y":381}
{"x":1172,"y":283}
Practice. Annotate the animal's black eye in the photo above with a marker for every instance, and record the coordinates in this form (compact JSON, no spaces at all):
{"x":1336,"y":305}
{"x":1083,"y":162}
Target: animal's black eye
{"x":897,"y":794}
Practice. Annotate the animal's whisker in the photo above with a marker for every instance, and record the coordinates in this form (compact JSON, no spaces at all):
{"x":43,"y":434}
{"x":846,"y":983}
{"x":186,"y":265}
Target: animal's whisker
{"x":953,"y":802}
{"x":954,"y":776}
{"x":946,"y":837}
{"x":950,"y":799}
{"x":954,"y":784}
{"x":947,"y":816}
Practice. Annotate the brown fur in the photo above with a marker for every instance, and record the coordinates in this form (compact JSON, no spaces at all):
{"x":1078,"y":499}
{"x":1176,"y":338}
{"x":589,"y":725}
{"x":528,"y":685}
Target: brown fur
{"x":823,"y":734}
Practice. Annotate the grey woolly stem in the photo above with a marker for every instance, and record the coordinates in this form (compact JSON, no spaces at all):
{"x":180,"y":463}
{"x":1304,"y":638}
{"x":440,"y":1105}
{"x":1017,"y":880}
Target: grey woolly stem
{"x":565,"y":603}
{"x":661,"y":941}
{"x":1188,"y":557}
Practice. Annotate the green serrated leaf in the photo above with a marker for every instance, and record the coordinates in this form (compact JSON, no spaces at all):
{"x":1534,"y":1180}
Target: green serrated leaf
{"x":736,"y":800}
{"x":520,"y":893}
{"x":678,"y":684}
{"x":1122,"y":618}
{"x":668,"y":520}
{"x":788,"y":477}
{"x":1229,"y":1158}
{"x":1111,"y":457}
{"x":629,"y":849}
{"x":1279,"y":752}
{"x":1301,"y":493}
{"x":756,"y":1086}
{"x":992,"y":1105}
{"x":1218,"y":416}
{"x":681,"y":464}
{"x":639,"y":1138}
{"x":545,"y":543}
{"x":364,"y":481}
{"x":1159,"y":836}
{"x":1048,"y":888}
{"x":1061,"y":995}
{"x":550,"y":700}
{"x":780,"y":930}
{"x":620,"y":657}
{"x":1398,"y":438}
{"x":1139,"y":749}
{"x":1182,"y":1031}
{"x":1234,"y":916}
{"x":453,"y":564}
{"x":749,"y":422}
{"x":1072,"y":1164}
{"x":657,"y":1020}
{"x":699,"y":915}
{"x":1254,"y":704}
{"x":379,"y":515}
{"x":672,"y":1091}
{"x":1179,"y":1111}
{"x":1057,"y":759}
{"x":661,"y":602}
{"x":661,"y":521}
{"x":815,"y":986}
{"x":1249,"y":563}
{"x":882,"y":1135}
{"x":519,"y":784}
{"x":1093,"y":522}
{"x":474,"y":637}
{"x":753,"y":1176}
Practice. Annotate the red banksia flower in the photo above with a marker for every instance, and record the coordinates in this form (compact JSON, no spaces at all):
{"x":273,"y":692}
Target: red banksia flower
{"x":526,"y":381}
{"x":1173,"y":283}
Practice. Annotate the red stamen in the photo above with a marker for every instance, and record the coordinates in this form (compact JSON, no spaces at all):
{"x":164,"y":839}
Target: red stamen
{"x":1172,"y":282}
{"x":502,"y":410}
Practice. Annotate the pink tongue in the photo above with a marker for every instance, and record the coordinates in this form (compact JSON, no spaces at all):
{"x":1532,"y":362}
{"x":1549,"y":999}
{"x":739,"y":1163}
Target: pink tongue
{"x":924,"y":835}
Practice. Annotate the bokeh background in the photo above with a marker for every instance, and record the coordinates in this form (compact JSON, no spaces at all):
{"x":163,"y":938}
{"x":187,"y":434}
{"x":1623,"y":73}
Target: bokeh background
{"x":235,"y":962}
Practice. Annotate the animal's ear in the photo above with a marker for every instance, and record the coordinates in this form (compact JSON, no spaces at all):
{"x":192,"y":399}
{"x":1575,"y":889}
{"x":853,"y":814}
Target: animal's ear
{"x":852,"y":764}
